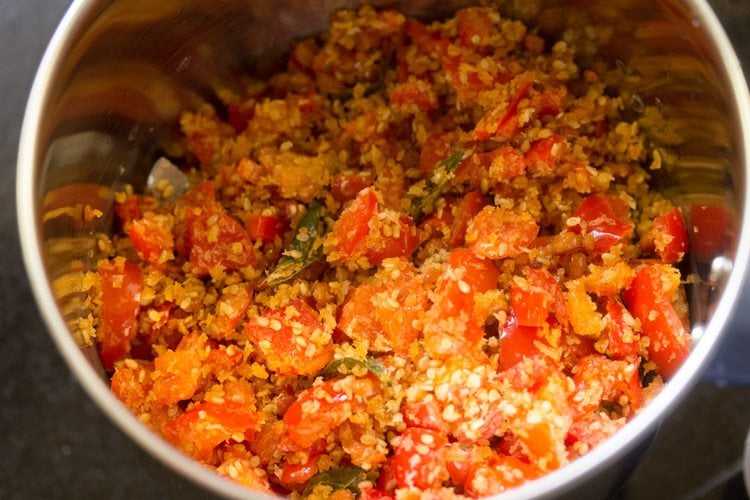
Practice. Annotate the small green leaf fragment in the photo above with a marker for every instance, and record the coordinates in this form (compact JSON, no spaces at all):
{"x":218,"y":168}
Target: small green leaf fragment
{"x":342,"y":478}
{"x":349,"y":364}
{"x":436,"y":186}
{"x":305,"y":249}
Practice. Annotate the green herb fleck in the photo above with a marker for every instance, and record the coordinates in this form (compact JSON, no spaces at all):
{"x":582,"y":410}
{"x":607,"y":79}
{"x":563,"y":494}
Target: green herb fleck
{"x":349,"y":364}
{"x":305,"y":249}
{"x":436,"y":185}
{"x":342,"y":478}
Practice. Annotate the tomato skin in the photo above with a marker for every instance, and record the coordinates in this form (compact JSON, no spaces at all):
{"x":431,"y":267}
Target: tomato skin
{"x":266,"y":228}
{"x":618,"y":330}
{"x":152,"y":237}
{"x":351,"y":227}
{"x":517,"y":343}
{"x":418,"y":461}
{"x":544,"y":154}
{"x":276,"y":334}
{"x":360,"y":232}
{"x":121,"y":295}
{"x":605,"y":218}
{"x":648,"y":298}
{"x":320,"y":409}
{"x":206,"y":425}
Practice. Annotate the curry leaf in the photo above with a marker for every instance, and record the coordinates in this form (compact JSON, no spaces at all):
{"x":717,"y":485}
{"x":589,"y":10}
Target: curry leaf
{"x":349,"y":364}
{"x":305,"y":249}
{"x":342,"y":478}
{"x":435,"y":186}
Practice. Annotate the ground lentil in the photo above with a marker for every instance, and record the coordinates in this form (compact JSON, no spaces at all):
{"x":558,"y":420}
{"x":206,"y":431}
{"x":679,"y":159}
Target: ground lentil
{"x":482,"y":290}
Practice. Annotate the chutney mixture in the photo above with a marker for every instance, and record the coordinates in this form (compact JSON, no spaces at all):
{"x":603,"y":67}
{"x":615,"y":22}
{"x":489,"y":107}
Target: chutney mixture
{"x":423,"y":260}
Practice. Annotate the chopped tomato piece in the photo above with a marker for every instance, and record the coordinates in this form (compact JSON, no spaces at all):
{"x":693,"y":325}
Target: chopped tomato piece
{"x":544,"y":154}
{"x":228,"y":311}
{"x":517,"y":343}
{"x":533,"y":299}
{"x":352,"y":226}
{"x":206,"y":425}
{"x":292,"y":339}
{"x":363,"y":230}
{"x":670,"y":236}
{"x":385,"y":309}
{"x":466,"y":275}
{"x":605,"y":218}
{"x":320,"y":409}
{"x":346,"y":186}
{"x":599,"y":379}
{"x":711,"y":230}
{"x":132,"y":383}
{"x":621,"y":340}
{"x":121,"y":294}
{"x":216,"y":240}
{"x":177,"y":374}
{"x":266,"y":228}
{"x":452,"y":322}
{"x":375,"y":494}
{"x":496,"y":233}
{"x":649,"y":299}
{"x":418,"y":460}
{"x":463,"y":212}
{"x":152,"y":239}
{"x":424,"y":414}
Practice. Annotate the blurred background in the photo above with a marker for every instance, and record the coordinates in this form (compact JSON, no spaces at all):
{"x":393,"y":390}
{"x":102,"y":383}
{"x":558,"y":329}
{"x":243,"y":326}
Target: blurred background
{"x":54,"y":443}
